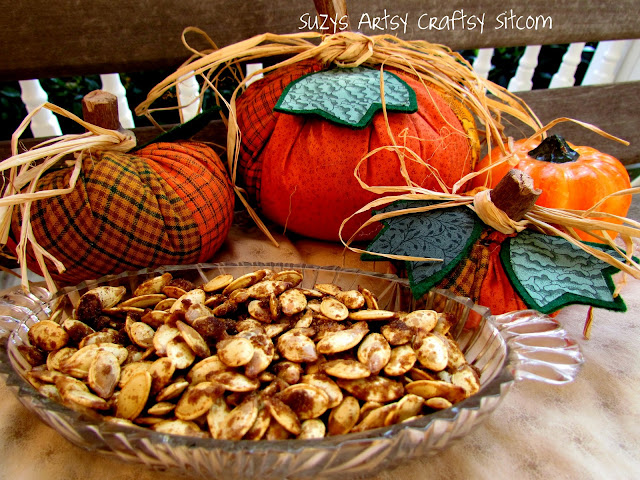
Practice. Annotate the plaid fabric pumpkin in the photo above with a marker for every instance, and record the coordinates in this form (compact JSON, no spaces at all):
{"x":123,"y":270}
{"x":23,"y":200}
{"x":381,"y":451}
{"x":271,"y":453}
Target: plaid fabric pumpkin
{"x":300,"y":168}
{"x":168,"y":203}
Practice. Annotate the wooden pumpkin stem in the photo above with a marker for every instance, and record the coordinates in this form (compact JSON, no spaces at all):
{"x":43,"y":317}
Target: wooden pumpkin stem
{"x":334,"y":9}
{"x":554,"y":149}
{"x":515,"y":194}
{"x":101,"y":108}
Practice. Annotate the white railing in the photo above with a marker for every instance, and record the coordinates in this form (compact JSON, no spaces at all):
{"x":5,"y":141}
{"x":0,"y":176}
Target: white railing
{"x":566,"y":74}
{"x":45,"y":123}
{"x":188,"y":91}
{"x":523,"y":78}
{"x":112,"y":84}
{"x":613,"y":61}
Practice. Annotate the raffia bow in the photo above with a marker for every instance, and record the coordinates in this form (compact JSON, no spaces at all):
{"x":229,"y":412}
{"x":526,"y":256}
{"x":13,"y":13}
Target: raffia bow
{"x":26,"y":168}
{"x":552,"y":221}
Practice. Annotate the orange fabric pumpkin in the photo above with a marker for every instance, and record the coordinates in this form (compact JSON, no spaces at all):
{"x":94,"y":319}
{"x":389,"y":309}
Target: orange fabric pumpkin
{"x":168,"y":203}
{"x":300,"y":168}
{"x":570,"y":177}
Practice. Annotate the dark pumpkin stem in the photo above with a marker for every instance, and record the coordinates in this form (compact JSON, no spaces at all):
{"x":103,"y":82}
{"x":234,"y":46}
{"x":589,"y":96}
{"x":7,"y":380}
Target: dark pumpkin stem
{"x":554,"y":149}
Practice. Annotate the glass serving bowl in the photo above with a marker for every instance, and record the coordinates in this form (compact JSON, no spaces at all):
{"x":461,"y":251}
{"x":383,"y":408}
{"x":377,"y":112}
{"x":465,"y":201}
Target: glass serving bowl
{"x":504,"y":349}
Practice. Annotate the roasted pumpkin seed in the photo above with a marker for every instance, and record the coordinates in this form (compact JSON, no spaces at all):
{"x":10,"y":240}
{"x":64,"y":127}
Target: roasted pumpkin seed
{"x":193,"y":339}
{"x":303,"y":363}
{"x":235,"y":351}
{"x":312,"y":428}
{"x":239,"y":420}
{"x":153,"y":285}
{"x":283,"y":414}
{"x":352,"y":299}
{"x":374,"y":352}
{"x":401,"y":360}
{"x":344,"y":417}
{"x":133,"y":396}
{"x":431,"y":351}
{"x":306,"y":400}
{"x":372,"y":315}
{"x":437,"y":388}
{"x":197,"y":400}
{"x":333,"y":309}
{"x":180,"y":353}
{"x":104,"y":373}
{"x":294,"y":345}
{"x":217,"y":283}
{"x":48,"y":336}
{"x":373,"y":389}
{"x":341,"y":340}
{"x":327,"y":288}
{"x":144,"y":301}
{"x":346,"y":368}
{"x":292,"y":302}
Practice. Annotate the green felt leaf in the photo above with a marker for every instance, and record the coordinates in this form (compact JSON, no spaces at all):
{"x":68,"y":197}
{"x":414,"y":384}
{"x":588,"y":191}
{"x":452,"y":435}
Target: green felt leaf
{"x":550,"y":273}
{"x":346,"y":96}
{"x":445,"y":233}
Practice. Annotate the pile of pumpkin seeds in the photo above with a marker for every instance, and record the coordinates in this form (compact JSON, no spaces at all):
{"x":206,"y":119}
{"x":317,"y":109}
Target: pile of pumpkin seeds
{"x":253,"y":357}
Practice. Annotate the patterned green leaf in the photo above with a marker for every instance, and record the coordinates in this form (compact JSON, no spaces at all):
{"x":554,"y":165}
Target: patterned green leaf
{"x":347,"y":96}
{"x":549,"y":273}
{"x":446,"y":234}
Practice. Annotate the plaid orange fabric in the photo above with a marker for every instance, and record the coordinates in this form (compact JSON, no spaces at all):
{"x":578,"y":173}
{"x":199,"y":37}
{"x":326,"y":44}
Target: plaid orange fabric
{"x":299,"y":169}
{"x":257,"y":120}
{"x":466,"y":279}
{"x":198,"y":176}
{"x":125,"y":215}
{"x":481,"y":277}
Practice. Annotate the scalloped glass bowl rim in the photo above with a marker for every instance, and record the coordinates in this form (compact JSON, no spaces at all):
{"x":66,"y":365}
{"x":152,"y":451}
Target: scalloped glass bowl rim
{"x":495,"y":387}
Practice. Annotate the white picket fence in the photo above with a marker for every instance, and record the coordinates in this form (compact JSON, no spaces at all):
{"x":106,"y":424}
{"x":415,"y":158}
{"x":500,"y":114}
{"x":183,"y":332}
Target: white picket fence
{"x":613,"y":61}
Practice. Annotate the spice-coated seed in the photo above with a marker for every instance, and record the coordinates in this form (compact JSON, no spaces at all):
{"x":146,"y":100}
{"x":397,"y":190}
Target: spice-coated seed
{"x":257,"y":357}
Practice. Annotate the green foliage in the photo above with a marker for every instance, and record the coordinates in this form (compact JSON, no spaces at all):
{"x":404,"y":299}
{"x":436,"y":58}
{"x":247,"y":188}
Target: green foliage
{"x":12,"y":110}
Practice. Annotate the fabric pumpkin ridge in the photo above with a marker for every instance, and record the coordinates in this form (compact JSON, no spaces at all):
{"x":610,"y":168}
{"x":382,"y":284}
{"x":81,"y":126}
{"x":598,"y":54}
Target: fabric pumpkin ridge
{"x":168,"y":203}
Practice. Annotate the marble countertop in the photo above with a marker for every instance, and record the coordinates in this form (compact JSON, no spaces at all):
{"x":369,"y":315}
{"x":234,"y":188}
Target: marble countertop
{"x":587,"y":429}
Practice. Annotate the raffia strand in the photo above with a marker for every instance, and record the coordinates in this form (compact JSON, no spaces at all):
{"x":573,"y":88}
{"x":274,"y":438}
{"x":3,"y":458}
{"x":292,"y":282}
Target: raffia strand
{"x":430,"y":63}
{"x":25,"y":169}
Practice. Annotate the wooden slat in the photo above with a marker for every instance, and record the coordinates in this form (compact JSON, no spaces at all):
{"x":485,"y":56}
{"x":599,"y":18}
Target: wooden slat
{"x":585,"y":20}
{"x":613,"y":108}
{"x":42,"y":39}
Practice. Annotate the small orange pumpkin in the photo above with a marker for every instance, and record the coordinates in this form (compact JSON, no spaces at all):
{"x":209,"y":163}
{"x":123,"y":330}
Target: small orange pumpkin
{"x":570,"y":177}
